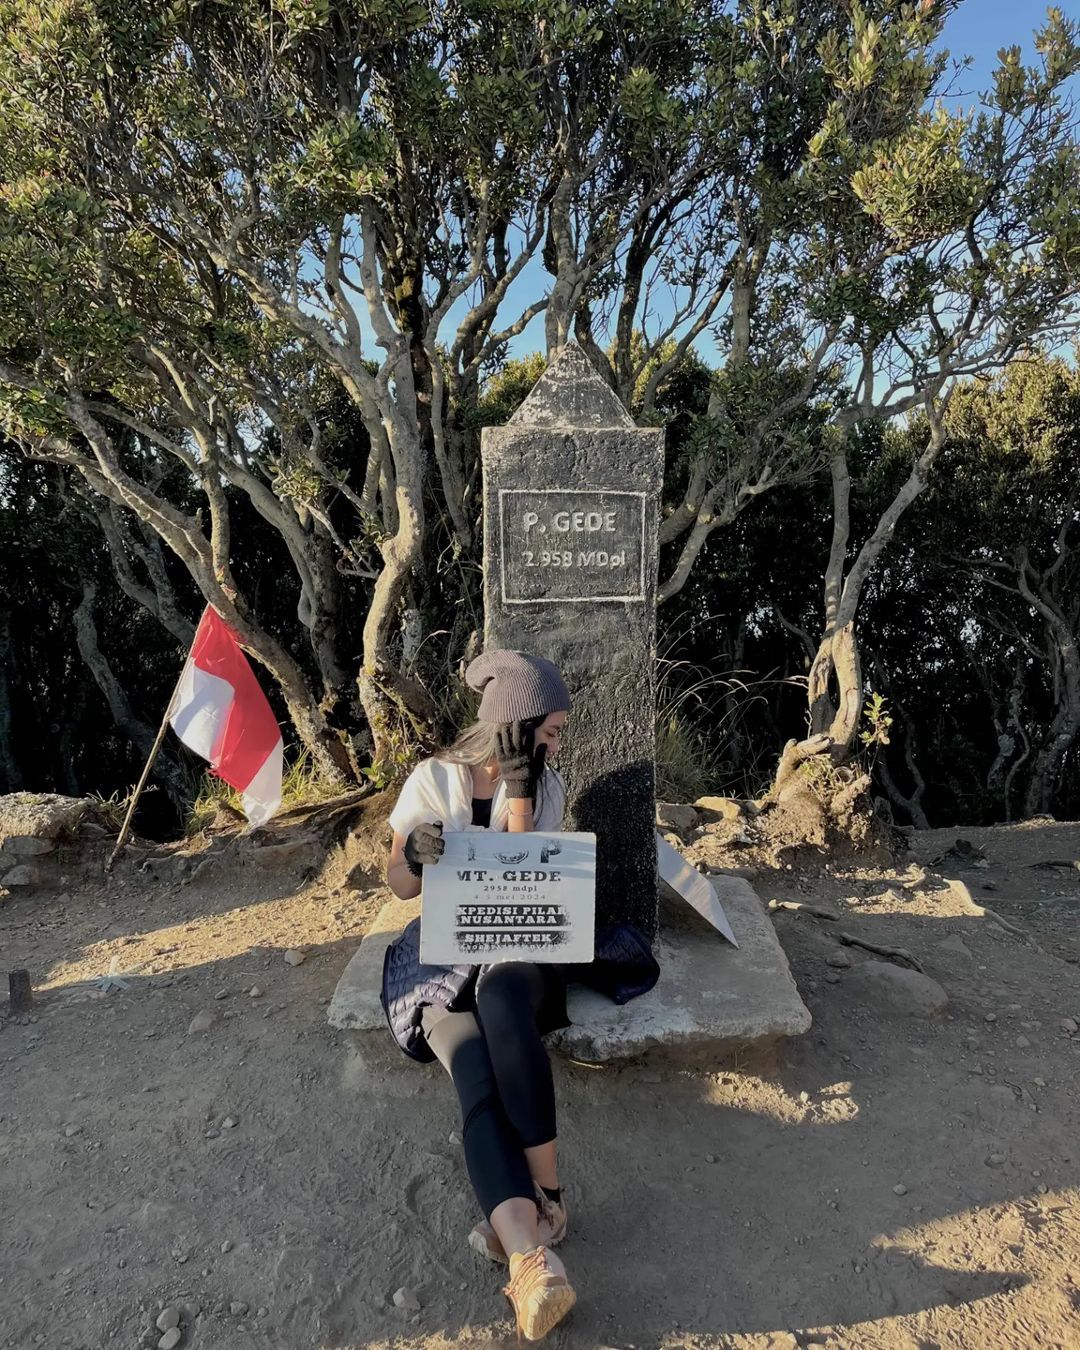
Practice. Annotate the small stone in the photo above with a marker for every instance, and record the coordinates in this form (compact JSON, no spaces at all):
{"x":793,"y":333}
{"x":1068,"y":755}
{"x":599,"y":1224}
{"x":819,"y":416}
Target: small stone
{"x":804,"y":1097}
{"x":832,"y":977}
{"x":990,"y":1017}
{"x":1070,"y":1025}
{"x":839,"y":960}
{"x":454,"y":1138}
{"x":711,"y":1158}
{"x":222,"y":993}
{"x":229,"y":1123}
{"x":227,"y":1245}
{"x":1042,"y":1188}
{"x":899,"y":1189}
{"x":724,"y":808}
{"x":896,"y":989}
{"x":202,"y":1021}
{"x":1039,"y":1082}
{"x":294,"y":957}
{"x":676,"y":816}
{"x":28,"y":845}
{"x":1021,"y":1042}
{"x":406,"y":1299}
{"x":167,"y":1319}
{"x":996,"y":1160}
{"x":170,"y":1340}
{"x":23,"y":875}
{"x":71,"y":1130}
{"x":1035,"y":1172}
{"x":254,"y":992}
{"x":237,"y":1308}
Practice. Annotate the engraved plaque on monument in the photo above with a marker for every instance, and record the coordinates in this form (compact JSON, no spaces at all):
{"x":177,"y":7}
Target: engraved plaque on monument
{"x":571,"y":502}
{"x":563,"y":545}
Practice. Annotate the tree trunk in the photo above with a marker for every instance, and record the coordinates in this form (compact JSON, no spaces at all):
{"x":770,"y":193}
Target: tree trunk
{"x":388,"y":696}
{"x":1049,"y":761}
{"x":838,"y":653}
{"x":836,"y":667}
{"x":10,"y":776}
{"x":166,"y":771}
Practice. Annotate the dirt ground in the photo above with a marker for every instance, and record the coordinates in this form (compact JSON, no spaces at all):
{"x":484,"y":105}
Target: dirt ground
{"x":897,"y":1182}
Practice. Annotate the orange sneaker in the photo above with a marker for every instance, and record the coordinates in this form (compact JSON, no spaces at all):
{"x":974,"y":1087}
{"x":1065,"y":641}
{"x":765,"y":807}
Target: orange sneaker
{"x":552,"y":1224}
{"x":539,"y":1292}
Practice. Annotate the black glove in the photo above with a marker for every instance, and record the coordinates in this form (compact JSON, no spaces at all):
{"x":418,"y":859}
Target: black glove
{"x":520,"y":760}
{"x":424,"y":847}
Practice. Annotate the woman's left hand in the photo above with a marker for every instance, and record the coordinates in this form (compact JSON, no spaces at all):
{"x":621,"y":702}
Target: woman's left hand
{"x":520,"y":760}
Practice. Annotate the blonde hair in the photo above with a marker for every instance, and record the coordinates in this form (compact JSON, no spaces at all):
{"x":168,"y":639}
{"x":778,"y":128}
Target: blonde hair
{"x":478,"y":745}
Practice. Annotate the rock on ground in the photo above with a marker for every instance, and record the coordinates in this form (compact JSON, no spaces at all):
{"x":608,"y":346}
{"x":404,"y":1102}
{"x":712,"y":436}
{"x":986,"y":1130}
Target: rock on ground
{"x":896,"y":989}
{"x":27,"y":846}
{"x":673,"y":816}
{"x":23,"y":875}
{"x":41,"y":815}
{"x":719,"y":808}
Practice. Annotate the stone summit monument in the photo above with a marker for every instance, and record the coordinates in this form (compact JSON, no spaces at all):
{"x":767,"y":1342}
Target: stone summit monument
{"x":571,"y":499}
{"x":571,"y":504}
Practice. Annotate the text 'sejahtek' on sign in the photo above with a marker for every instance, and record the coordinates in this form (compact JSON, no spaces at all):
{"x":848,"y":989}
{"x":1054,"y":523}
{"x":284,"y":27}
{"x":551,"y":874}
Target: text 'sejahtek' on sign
{"x":496,"y":896}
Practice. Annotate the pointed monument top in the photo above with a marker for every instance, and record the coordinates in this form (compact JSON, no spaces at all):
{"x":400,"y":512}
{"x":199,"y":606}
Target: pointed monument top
{"x":571,"y":394}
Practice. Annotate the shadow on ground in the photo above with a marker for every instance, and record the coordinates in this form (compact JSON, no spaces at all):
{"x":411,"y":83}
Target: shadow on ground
{"x":706,"y":1206}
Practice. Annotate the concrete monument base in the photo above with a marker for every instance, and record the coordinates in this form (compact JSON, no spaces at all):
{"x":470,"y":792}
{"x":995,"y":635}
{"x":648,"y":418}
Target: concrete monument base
{"x":713,"y":1003}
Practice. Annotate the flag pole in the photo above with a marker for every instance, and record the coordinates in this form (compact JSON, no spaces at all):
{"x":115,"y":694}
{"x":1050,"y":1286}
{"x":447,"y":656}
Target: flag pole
{"x":126,"y":827}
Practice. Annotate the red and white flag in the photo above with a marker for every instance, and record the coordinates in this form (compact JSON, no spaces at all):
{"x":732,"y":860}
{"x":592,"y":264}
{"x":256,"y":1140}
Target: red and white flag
{"x":220,"y":712}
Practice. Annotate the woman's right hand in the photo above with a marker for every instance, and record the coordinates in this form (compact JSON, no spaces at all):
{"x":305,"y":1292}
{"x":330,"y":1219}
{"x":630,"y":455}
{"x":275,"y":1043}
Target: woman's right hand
{"x":424,"y":847}
{"x":520,"y":759}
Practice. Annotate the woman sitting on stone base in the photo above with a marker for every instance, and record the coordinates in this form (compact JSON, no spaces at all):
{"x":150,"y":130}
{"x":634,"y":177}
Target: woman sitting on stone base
{"x":485,"y":1023}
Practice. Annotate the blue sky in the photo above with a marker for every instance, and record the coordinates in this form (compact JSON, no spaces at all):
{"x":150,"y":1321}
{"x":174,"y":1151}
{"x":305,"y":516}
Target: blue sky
{"x":979,"y":29}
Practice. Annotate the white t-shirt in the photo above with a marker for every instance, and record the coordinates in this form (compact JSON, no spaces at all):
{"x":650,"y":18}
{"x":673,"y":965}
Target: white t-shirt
{"x":438,"y":790}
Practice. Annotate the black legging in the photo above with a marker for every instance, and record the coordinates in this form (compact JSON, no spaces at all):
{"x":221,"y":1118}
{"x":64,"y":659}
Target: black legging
{"x":503,"y":1079}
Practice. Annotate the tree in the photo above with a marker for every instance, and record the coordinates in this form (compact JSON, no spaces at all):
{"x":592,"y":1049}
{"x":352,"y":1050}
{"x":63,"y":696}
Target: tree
{"x":212,"y":215}
{"x":1010,"y":493}
{"x":85,"y":669}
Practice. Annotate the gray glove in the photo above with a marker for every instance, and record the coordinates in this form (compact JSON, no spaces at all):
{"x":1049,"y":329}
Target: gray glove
{"x":424,"y":847}
{"x":520,"y":760}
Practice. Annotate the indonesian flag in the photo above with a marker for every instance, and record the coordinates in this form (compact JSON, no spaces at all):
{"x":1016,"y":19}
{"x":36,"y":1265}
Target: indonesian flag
{"x":220,"y":712}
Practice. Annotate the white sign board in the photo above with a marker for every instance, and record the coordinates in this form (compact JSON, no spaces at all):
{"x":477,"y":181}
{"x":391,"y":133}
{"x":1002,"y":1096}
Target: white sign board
{"x":695,"y":889}
{"x":496,"y":896}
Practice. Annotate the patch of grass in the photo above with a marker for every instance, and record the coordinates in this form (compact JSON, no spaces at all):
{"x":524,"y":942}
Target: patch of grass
{"x":213,"y":793}
{"x":301,"y":785}
{"x":697,"y":712}
{"x":111,"y":810}
{"x":686,"y":764}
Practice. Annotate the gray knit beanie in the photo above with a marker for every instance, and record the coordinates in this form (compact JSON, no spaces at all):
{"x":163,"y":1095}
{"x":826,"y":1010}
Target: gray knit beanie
{"x":516,"y":687}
